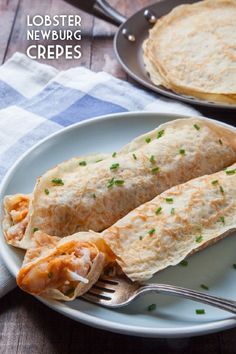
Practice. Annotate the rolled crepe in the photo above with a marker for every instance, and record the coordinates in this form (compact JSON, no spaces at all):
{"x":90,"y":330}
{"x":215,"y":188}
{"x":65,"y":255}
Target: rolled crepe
{"x":76,"y":196}
{"x":159,"y":233}
{"x":180,"y":221}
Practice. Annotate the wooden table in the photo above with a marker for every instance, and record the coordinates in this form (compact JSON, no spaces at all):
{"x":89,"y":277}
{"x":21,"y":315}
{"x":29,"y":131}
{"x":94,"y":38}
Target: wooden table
{"x":27,"y":326}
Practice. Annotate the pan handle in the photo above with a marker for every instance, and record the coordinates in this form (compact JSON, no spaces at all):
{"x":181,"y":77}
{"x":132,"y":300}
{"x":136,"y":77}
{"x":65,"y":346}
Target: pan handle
{"x":100,"y":9}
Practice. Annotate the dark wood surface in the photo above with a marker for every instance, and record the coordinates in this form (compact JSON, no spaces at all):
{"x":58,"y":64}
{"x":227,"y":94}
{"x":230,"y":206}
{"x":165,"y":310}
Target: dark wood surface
{"x":26,"y":325}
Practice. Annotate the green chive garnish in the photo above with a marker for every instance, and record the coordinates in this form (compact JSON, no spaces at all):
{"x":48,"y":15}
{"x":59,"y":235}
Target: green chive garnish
{"x":114,"y":166}
{"x":148,"y":140}
{"x":172,"y":211}
{"x":69,"y":292}
{"x":152,"y":307}
{"x":231,"y":172}
{"x":169,"y":200}
{"x":221,"y":190}
{"x":82,"y":163}
{"x":152,"y":231}
{"x":140,"y":237}
{"x":155,"y":170}
{"x":182,"y":151}
{"x":200,"y":311}
{"x":158,"y":211}
{"x":160,"y":134}
{"x":50,"y":274}
{"x":94,"y":196}
{"x":119,"y":182}
{"x":46,"y":191}
{"x":215,"y":182}
{"x":199,"y":239}
{"x":184,"y":263}
{"x":222,"y":219}
{"x":35,"y":229}
{"x":221,"y":142}
{"x":196,"y":127}
{"x":135,"y":157}
{"x":99,"y":160}
{"x":205,"y":287}
{"x":114,"y":154}
{"x":152,"y":159}
{"x":57,"y":181}
{"x":110,"y":183}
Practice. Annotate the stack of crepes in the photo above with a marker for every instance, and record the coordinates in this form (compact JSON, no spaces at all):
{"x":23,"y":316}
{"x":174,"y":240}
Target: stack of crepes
{"x":96,"y":211}
{"x":192,"y":51}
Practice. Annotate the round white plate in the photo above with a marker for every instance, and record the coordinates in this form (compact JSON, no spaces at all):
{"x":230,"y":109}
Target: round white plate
{"x":173,"y":317}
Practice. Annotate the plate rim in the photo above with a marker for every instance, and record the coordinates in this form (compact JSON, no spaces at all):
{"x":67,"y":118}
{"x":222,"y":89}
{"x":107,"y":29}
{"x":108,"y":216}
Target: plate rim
{"x":92,"y":320}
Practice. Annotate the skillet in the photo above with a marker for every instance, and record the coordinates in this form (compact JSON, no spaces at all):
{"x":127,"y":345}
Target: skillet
{"x":130,"y":36}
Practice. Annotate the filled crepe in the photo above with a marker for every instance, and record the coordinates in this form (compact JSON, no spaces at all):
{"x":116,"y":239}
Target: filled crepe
{"x":80,"y":196}
{"x":157,"y":234}
{"x":191,"y":50}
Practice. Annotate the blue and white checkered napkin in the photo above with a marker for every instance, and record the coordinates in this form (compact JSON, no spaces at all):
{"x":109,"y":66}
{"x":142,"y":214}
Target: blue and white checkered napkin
{"x":37,"y":100}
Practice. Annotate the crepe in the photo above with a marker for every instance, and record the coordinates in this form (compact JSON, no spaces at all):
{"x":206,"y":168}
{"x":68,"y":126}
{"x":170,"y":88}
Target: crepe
{"x":156,"y":235}
{"x":192,"y":50}
{"x":76,"y":196}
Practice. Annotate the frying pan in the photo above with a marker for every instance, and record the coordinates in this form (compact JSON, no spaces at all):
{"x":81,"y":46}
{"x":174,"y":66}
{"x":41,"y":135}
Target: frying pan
{"x":130,"y":36}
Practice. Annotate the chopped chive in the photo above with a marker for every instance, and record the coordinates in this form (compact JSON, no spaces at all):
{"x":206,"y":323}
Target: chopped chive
{"x":160,"y":133}
{"x":35,"y":229}
{"x":110,"y":183}
{"x":114,"y":154}
{"x":94,"y":196}
{"x":50,"y":274}
{"x":152,"y":307}
{"x":152,"y":159}
{"x":119,"y":182}
{"x":199,"y":239}
{"x":169,"y":200}
{"x":221,"y":142}
{"x":205,"y":287}
{"x":172,"y":211}
{"x":155,"y":170}
{"x":184,"y":263}
{"x":99,"y":160}
{"x":57,"y":181}
{"x":69,"y":292}
{"x":148,"y":140}
{"x":140,"y":237}
{"x":158,"y":211}
{"x":215,"y":182}
{"x":234,"y":266}
{"x":114,"y":166}
{"x":222,"y":190}
{"x":222,"y":219}
{"x":200,"y":311}
{"x":82,"y":163}
{"x":152,"y":231}
{"x":230,"y":172}
{"x":135,"y":157}
{"x":182,"y":151}
{"x":46,"y":191}
{"x":196,"y":127}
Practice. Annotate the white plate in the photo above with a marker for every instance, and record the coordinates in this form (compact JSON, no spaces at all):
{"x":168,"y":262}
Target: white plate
{"x":173,"y":317}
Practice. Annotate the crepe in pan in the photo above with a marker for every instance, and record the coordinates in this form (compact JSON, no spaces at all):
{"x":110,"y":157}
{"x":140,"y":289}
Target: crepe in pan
{"x":76,"y":196}
{"x":192,"y":50}
{"x":156,"y":235}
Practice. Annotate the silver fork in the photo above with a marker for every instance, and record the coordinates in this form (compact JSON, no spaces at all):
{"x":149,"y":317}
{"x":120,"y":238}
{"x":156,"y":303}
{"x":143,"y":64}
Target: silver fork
{"x":114,"y":292}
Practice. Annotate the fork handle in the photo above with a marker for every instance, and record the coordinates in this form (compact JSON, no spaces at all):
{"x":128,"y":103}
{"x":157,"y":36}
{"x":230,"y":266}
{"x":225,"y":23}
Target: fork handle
{"x":219,"y":302}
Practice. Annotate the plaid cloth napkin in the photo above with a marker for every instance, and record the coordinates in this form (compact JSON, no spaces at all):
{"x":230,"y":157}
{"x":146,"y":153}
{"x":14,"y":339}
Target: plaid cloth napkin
{"x":37,"y":100}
